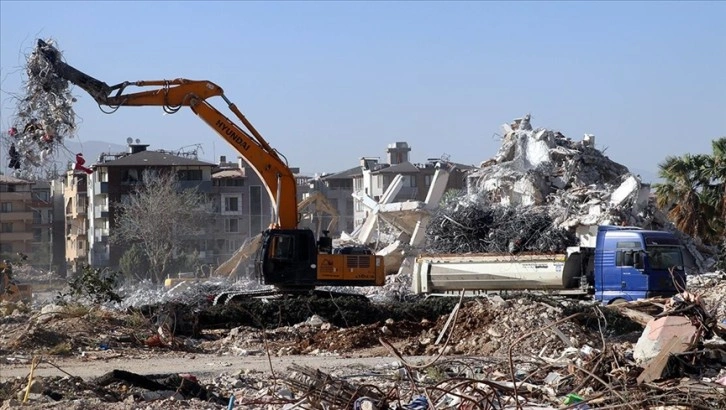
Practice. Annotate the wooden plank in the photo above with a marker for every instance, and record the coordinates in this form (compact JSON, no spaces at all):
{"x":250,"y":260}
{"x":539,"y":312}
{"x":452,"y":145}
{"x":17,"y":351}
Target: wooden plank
{"x":448,"y":322}
{"x":634,"y":315}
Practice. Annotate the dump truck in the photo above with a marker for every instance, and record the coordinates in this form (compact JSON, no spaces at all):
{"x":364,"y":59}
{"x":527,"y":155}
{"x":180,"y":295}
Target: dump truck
{"x":623,"y":264}
{"x":11,"y":291}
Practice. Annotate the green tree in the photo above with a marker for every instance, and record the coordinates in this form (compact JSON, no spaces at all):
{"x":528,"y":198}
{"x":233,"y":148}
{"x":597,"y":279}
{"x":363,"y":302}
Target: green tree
{"x":161,"y":219}
{"x":133,"y":263}
{"x":694,"y":192}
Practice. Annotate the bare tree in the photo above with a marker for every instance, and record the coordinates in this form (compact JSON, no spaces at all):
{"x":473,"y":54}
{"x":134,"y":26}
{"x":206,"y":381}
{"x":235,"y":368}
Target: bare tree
{"x":161,"y":218}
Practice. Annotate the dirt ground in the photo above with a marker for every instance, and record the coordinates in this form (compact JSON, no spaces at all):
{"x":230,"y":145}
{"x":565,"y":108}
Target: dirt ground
{"x":198,"y":357}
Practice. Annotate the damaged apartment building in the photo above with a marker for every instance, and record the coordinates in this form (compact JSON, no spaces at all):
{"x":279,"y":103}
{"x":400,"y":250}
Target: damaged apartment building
{"x":240,"y":203}
{"x":374,"y":178}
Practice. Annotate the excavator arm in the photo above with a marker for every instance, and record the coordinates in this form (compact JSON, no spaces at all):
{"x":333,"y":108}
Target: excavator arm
{"x":171,"y":95}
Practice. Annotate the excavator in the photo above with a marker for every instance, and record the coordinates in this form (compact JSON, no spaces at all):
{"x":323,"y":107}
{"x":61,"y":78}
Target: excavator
{"x":11,"y":291}
{"x":289,"y":258}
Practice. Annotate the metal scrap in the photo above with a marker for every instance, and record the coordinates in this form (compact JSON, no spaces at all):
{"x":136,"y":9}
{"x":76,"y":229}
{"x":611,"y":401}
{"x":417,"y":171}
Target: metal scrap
{"x":482,"y":227}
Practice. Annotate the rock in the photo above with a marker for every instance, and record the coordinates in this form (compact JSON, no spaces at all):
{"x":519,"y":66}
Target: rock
{"x":493,"y":333}
{"x":315,"y":320}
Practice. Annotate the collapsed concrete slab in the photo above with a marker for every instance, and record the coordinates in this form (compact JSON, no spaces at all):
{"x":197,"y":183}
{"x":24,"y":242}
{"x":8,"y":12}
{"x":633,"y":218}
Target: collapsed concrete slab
{"x":658,"y":334}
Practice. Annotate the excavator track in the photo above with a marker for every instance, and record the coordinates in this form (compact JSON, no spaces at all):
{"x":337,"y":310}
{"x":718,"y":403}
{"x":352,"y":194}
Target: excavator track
{"x":230,"y":297}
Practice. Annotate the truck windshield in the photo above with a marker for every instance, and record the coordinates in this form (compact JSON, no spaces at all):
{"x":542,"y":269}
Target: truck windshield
{"x":665,"y":257}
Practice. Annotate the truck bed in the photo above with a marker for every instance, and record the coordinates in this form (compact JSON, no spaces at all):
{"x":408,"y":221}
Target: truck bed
{"x":444,"y":273}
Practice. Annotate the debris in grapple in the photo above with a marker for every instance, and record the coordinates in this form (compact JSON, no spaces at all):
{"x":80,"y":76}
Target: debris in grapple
{"x":43,"y":118}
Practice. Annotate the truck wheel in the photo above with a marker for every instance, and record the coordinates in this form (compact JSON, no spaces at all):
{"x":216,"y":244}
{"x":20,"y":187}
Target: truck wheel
{"x":572,"y":271}
{"x":617,"y":301}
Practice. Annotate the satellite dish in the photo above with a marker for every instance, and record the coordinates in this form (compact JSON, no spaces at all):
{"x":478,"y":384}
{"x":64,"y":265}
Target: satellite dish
{"x":138,"y":141}
{"x":129,"y":140}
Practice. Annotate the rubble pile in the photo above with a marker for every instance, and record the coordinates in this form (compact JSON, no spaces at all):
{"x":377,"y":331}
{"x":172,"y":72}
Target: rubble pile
{"x":549,"y":350}
{"x":711,"y":288}
{"x":489,"y":326}
{"x":539,"y":191}
{"x":44,"y":117}
{"x":576,"y":182}
{"x":483,"y":228}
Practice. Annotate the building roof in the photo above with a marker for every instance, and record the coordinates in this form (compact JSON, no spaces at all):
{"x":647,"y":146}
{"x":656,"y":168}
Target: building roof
{"x":229,"y":173}
{"x":7,"y":179}
{"x":151,"y":158}
{"x":347,"y":174}
{"x":402,"y":168}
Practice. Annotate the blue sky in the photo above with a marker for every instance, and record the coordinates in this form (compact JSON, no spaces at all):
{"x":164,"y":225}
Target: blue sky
{"x":329,"y":82}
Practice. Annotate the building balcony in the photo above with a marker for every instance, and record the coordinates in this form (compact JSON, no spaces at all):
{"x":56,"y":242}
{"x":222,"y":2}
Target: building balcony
{"x":24,"y":196}
{"x":76,"y":233}
{"x":100,"y":188}
{"x":100,"y":212}
{"x":201,"y":186}
{"x":17,"y":236}
{"x":15,"y":216}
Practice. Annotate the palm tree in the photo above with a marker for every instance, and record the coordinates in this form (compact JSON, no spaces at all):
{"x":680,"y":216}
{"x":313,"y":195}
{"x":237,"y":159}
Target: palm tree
{"x":694,"y":192}
{"x":678,"y":193}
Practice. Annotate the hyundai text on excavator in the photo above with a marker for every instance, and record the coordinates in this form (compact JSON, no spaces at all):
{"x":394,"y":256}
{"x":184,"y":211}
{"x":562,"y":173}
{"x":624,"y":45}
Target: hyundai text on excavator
{"x":290,"y":259}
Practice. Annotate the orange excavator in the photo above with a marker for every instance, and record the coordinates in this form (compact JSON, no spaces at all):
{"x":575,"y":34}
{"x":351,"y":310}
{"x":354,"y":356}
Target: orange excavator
{"x":290,"y":258}
{"x":11,"y":291}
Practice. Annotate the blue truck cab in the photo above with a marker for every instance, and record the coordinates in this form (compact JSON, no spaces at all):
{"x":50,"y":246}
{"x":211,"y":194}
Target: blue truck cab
{"x":631,"y":263}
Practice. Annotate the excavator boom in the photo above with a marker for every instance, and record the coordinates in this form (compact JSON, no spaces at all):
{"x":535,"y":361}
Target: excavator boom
{"x":288,"y":257}
{"x":174,"y":94}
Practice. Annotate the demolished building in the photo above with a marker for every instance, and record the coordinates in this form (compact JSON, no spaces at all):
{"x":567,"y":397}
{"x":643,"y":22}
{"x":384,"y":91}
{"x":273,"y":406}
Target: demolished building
{"x":542,"y":182}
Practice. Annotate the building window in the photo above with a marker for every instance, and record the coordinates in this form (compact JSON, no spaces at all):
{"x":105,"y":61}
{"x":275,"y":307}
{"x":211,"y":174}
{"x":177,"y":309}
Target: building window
{"x":231,"y":203}
{"x":255,"y":209}
{"x":232,"y":245}
{"x":6,"y":248}
{"x":37,"y":234}
{"x":50,"y":216}
{"x":131,"y":176}
{"x":189,"y":175}
{"x":6,"y":206}
{"x":229,"y":182}
{"x":428,"y":179}
{"x":37,"y":217}
{"x":7,"y":227}
{"x":412,"y":181}
{"x":102,"y":174}
{"x":80,"y":245}
{"x":41,"y":196}
{"x":231,"y":225}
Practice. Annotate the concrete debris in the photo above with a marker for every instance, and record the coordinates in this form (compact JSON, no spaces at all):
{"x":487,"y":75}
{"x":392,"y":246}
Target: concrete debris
{"x":571,"y":182}
{"x":552,"y":353}
{"x":660,"y":332}
{"x":44,"y":118}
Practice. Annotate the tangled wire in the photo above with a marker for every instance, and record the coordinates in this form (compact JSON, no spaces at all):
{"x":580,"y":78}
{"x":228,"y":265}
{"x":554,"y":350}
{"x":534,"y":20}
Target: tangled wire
{"x":484,"y":228}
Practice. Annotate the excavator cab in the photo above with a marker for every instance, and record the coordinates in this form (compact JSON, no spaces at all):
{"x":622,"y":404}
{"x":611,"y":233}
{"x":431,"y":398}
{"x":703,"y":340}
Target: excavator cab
{"x":287,"y":258}
{"x":292,"y":259}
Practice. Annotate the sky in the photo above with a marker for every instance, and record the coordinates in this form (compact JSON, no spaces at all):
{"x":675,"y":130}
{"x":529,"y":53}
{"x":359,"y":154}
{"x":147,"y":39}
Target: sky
{"x":327,"y":83}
